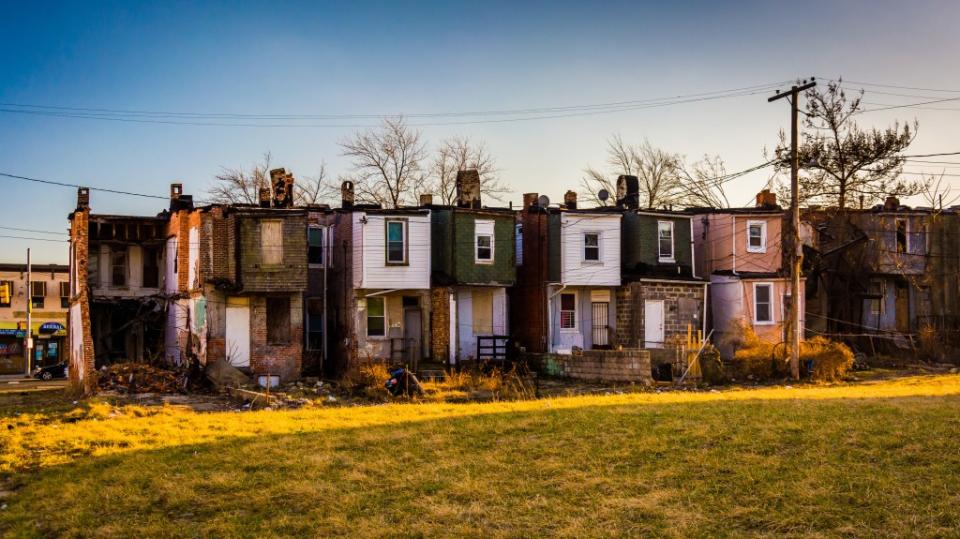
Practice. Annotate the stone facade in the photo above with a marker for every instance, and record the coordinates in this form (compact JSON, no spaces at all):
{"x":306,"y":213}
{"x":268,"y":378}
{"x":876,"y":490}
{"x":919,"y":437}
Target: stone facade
{"x":627,"y":365}
{"x":440,"y":324}
{"x":683,"y":305}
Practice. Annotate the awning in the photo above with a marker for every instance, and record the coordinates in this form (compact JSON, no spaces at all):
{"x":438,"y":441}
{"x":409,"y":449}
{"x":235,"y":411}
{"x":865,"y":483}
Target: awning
{"x":44,"y":328}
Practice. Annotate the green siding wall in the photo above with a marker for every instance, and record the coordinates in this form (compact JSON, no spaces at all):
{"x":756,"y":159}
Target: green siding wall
{"x":453,"y":248}
{"x":639,"y":240}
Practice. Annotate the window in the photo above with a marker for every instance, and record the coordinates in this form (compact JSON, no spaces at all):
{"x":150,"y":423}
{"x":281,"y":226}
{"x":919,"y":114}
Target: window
{"x":151,"y":268}
{"x":315,"y":245}
{"x":376,"y":317}
{"x":38,"y":291}
{"x":518,"y":237}
{"x":278,"y":320}
{"x":568,"y":311}
{"x":665,"y":240}
{"x":396,"y":242}
{"x":93,"y":266}
{"x":7,"y":298}
{"x":763,"y":303}
{"x":271,"y":242}
{"x":903,"y":245}
{"x":64,"y":295}
{"x":118,"y":267}
{"x":483,"y":241}
{"x":876,"y":294}
{"x":314,"y":323}
{"x":756,"y":236}
{"x":591,"y":247}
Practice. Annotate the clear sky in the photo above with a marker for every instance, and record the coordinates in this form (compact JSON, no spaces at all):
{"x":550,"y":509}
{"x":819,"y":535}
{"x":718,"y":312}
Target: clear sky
{"x":390,"y":57}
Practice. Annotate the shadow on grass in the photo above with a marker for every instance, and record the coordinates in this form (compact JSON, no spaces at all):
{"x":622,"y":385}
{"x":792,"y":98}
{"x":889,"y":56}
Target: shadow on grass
{"x":790,"y":467}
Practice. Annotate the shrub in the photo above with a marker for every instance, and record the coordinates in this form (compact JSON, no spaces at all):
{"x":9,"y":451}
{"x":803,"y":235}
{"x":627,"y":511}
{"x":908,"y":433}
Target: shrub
{"x":831,"y":359}
{"x":766,"y":360}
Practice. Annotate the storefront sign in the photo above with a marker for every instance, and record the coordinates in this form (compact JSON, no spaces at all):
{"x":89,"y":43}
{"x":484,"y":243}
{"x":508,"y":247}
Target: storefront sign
{"x":51,"y":327}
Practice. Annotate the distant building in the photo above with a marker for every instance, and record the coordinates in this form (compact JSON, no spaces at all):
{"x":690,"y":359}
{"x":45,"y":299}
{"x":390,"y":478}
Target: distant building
{"x":48,"y":291}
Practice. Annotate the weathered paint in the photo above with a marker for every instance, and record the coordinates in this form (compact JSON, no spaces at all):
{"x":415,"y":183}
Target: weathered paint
{"x":371,"y":270}
{"x":574,"y":270}
{"x":454,"y":249}
{"x":720,"y":241}
{"x":563,"y":340}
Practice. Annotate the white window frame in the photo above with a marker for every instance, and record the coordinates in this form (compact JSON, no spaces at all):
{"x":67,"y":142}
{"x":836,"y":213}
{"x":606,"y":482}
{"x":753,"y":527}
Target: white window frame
{"x":763,"y":236}
{"x":772,"y":310}
{"x":583,"y":247}
{"x":673,"y":246}
{"x":386,"y":240}
{"x":476,"y":241}
{"x":560,"y":310}
{"x":386,"y":326}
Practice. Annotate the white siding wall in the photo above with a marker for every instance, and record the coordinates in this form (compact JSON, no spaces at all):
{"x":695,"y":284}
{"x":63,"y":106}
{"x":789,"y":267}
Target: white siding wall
{"x":574,"y":271}
{"x":370,"y":268}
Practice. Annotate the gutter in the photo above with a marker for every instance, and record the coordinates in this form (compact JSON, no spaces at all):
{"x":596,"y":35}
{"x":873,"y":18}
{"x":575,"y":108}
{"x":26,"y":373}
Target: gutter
{"x":733,"y":238}
{"x":693,"y":252}
{"x":382,"y":292}
{"x":550,"y":317}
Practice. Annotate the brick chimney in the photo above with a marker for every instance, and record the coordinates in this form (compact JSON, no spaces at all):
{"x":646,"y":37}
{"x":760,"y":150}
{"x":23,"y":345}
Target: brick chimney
{"x":178,"y":200}
{"x":346,"y":194}
{"x":282,"y":183}
{"x":570,"y":200}
{"x":468,"y":189}
{"x":628,"y":192}
{"x":263,"y":197}
{"x":891,"y":204}
{"x":530,"y":199}
{"x":766,"y":199}
{"x":426,"y":199}
{"x":83,"y":198}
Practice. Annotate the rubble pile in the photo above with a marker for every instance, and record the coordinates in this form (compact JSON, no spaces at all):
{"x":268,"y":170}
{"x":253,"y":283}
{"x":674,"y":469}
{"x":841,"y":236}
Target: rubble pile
{"x":139,"y":378}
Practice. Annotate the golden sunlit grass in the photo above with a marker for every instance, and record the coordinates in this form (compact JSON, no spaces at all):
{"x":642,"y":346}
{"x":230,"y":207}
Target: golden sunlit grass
{"x":867,"y":459}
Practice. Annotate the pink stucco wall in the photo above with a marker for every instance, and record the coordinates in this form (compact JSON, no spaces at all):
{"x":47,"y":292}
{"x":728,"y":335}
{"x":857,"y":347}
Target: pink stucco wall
{"x":720,"y":240}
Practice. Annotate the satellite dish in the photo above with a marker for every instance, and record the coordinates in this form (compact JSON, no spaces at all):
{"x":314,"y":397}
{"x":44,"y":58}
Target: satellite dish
{"x":603,"y":195}
{"x":543,"y":201}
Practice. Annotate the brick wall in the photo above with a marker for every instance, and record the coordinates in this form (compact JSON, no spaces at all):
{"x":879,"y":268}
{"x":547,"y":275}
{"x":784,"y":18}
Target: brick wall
{"x":279,"y":359}
{"x":292,"y":273}
{"x":83,"y":374}
{"x":440,"y":323}
{"x":630,"y":300}
{"x":628,"y":365}
{"x":528,"y":299}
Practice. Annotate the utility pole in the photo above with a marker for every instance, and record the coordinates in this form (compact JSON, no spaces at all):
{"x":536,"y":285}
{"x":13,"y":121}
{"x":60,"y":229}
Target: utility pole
{"x":28,"y":341}
{"x":796,"y":254}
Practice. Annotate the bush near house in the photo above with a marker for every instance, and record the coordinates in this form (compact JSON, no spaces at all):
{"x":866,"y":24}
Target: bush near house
{"x":765,"y":360}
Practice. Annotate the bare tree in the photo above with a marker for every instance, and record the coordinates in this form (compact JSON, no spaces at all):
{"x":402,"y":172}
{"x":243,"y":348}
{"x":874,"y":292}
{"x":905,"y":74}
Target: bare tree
{"x":702,"y":183}
{"x":840,"y":159}
{"x":937,"y":192}
{"x":239,"y":186}
{"x":460,"y":153}
{"x":387,"y":162}
{"x":315,"y":189}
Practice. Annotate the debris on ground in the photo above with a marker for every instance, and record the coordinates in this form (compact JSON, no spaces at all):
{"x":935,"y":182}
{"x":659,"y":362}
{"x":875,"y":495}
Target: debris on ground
{"x":222,"y":375}
{"x":133,"y":377}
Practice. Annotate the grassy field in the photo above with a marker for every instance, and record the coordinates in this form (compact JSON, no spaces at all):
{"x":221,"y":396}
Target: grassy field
{"x":871,"y":459}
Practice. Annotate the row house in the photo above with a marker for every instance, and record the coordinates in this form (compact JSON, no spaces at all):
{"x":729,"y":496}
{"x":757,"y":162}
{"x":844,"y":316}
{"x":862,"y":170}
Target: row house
{"x":740,"y":251}
{"x":890,"y":270}
{"x":46,"y":293}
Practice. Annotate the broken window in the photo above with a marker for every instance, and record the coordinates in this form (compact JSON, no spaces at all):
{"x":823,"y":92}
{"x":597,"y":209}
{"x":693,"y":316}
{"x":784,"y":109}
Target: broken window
{"x":376,"y":317}
{"x":151,"y":268}
{"x":315,"y":245}
{"x":118,"y":267}
{"x":763,"y":303}
{"x":65,"y":295}
{"x":568,"y":311}
{"x":591,"y":246}
{"x":38,"y":291}
{"x":271,"y":242}
{"x":876,"y":294}
{"x":6,"y":297}
{"x":396,"y":242}
{"x":665,"y":241}
{"x":902,"y":243}
{"x":756,"y":236}
{"x":483,"y":235}
{"x":314,"y":323}
{"x":278,"y":320}
{"x":93,"y":266}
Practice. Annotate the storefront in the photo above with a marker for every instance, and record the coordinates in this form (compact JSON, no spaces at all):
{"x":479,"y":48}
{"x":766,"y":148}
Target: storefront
{"x":49,"y":339}
{"x":11,"y":348}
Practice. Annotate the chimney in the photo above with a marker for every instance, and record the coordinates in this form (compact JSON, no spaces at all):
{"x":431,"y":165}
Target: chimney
{"x":178,"y":200}
{"x":530,"y":199}
{"x":426,"y":199}
{"x":891,"y":203}
{"x":263,"y":197}
{"x":282,"y":184}
{"x":766,"y":199}
{"x":628,"y":192}
{"x":468,"y":189}
{"x":570,"y":200}
{"x":83,"y":198}
{"x":346,"y":194}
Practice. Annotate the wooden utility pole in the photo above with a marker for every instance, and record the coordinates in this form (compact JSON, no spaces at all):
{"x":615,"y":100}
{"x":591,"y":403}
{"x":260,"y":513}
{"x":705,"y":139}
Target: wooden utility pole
{"x":28,"y":341}
{"x":796,"y":255}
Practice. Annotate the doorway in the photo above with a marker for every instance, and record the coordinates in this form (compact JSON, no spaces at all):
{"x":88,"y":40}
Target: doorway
{"x":653,"y":323}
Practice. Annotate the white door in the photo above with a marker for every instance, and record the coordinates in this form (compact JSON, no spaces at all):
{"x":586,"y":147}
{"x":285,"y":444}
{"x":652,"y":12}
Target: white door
{"x":653,"y":323}
{"x":238,"y":332}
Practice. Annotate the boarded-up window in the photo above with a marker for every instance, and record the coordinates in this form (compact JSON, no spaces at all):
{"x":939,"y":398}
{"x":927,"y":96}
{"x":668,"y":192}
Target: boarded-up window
{"x":314,"y":323}
{"x":482,"y":312}
{"x":271,"y":242}
{"x":278,"y":320}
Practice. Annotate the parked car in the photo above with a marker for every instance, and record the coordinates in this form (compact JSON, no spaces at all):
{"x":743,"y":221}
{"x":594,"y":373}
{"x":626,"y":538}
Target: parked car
{"x":51,"y":371}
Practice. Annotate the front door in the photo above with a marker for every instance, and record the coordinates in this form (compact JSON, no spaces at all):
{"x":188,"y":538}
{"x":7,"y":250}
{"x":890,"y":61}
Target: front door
{"x":412,"y":331}
{"x":238,"y":332}
{"x":653,"y":324}
{"x":601,"y":323}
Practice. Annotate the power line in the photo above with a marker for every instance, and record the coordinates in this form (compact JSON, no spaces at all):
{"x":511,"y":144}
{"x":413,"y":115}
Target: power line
{"x":904,"y":87}
{"x":33,"y":239}
{"x":33,"y":230}
{"x":64,"y":184}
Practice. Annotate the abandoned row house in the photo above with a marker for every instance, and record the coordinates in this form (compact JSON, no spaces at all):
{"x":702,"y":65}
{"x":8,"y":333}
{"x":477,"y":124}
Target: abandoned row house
{"x":282,"y":291}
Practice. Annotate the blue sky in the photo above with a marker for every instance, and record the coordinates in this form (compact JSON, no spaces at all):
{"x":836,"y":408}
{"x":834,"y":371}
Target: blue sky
{"x":384,"y":58}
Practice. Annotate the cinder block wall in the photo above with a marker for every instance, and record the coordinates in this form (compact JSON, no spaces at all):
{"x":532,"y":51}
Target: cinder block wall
{"x":630,"y":310}
{"x":628,"y":365}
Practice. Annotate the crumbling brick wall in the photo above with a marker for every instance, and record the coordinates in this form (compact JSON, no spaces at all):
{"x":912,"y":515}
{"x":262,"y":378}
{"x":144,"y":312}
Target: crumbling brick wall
{"x":83,"y":374}
{"x":440,"y":323}
{"x":277,"y":359}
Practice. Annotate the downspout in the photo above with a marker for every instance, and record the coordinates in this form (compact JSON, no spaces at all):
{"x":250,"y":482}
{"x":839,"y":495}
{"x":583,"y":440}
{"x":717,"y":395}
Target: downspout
{"x":733,"y":238}
{"x":550,"y":317}
{"x":326,"y":268}
{"x":706,"y":304}
{"x":693,"y":252}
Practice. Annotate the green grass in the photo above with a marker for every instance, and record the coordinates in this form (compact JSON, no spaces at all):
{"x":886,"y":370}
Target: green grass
{"x":872,"y":459}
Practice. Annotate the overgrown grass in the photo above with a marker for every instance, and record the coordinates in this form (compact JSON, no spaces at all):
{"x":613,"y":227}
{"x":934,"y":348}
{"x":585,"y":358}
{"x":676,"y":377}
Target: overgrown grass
{"x":862,"y":460}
